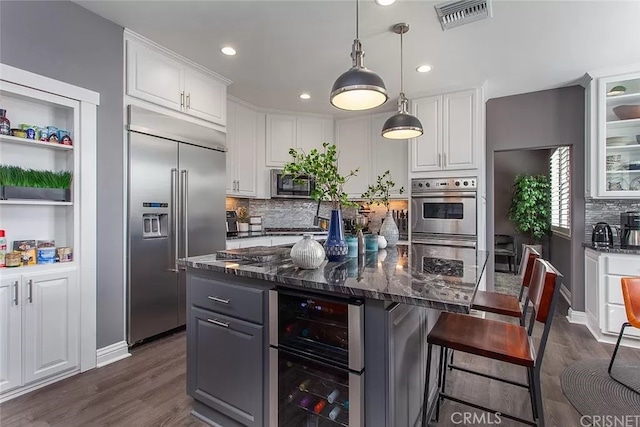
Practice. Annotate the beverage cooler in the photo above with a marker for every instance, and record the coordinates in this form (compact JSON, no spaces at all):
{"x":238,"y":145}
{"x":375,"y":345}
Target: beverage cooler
{"x":316,"y":360}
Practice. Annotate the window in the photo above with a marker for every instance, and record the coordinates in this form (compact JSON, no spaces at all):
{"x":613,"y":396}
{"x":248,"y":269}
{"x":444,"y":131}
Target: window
{"x":560,"y":171}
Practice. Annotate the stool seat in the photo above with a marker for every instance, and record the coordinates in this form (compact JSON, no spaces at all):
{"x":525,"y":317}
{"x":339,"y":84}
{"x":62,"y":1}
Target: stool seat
{"x":489,"y":338}
{"x":494,"y":302}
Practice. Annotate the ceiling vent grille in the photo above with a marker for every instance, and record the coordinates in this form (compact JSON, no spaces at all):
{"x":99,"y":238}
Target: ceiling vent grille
{"x":459,"y":12}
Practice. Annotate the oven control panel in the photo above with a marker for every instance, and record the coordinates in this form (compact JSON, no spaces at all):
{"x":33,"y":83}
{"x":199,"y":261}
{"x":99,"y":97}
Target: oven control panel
{"x":426,"y":185}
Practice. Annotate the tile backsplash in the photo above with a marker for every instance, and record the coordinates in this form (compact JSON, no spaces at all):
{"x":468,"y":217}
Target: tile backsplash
{"x":607,"y":211}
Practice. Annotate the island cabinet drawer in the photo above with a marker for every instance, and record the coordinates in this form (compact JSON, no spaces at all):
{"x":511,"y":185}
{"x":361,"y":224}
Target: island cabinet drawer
{"x":242,"y":302}
{"x":622,"y":265}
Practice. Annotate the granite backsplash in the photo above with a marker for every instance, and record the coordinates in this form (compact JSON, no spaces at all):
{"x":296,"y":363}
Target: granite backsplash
{"x":596,"y":210}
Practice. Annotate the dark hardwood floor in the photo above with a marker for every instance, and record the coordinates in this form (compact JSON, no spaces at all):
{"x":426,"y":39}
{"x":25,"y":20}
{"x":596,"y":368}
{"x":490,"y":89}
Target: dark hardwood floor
{"x":148,"y":389}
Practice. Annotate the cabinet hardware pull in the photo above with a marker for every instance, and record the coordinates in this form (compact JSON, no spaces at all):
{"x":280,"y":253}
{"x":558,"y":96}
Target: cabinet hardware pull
{"x":15,"y":292}
{"x":30,"y":293}
{"x":181,"y":99}
{"x":188,"y":101}
{"x":216,"y":299}
{"x":444,"y":158}
{"x":439,"y":159}
{"x":219,"y":323}
{"x":238,"y":186}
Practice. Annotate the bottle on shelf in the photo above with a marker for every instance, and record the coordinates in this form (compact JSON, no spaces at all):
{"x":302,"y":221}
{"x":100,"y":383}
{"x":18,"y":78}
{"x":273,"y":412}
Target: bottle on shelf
{"x":334,"y":413}
{"x":306,"y":402}
{"x":3,"y":247}
{"x":319,"y":406}
{"x":304,"y":385}
{"x":292,"y":396}
{"x":5,"y":124}
{"x":333,"y":396}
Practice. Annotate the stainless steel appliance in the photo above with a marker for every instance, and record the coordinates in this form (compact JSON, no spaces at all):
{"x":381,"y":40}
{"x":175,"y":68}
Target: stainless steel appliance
{"x":176,"y":190}
{"x":232,"y":222}
{"x":444,"y":206}
{"x":601,"y":235}
{"x":285,"y":186}
{"x":630,"y":234}
{"x":316,"y":360}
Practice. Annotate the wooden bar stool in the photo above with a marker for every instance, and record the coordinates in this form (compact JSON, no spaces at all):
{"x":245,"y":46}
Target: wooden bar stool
{"x":504,"y":304}
{"x":631,"y":296}
{"x":506,"y":342}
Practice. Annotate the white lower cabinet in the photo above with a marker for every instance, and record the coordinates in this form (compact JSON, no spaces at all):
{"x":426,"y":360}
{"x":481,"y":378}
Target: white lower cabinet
{"x":40,"y":328}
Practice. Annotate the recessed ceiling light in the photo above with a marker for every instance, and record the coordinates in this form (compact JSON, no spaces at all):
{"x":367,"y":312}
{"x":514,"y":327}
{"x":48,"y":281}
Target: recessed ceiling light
{"x":423,"y":68}
{"x":305,"y":96}
{"x":385,"y":2}
{"x":228,"y":50}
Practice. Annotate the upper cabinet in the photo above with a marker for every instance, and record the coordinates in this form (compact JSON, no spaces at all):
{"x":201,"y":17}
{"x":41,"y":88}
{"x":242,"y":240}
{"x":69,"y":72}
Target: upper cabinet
{"x":284,"y":132}
{"x":242,"y":148}
{"x":451,"y":132}
{"x":161,"y":77}
{"x":613,"y":135}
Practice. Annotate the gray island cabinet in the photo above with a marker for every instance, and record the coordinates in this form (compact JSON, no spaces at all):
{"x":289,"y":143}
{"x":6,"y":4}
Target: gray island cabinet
{"x":231,"y":372}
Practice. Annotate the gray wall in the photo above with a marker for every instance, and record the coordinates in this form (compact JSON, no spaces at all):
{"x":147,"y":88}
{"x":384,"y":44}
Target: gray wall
{"x":507,"y":165}
{"x":542,"y":120}
{"x":66,"y":42}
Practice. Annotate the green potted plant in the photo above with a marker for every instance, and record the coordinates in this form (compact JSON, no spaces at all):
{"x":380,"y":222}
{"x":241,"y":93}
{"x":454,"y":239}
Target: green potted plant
{"x":530,"y":209}
{"x":19,"y":183}
{"x":243,"y":219}
{"x":322,"y":167}
{"x":379,"y":194}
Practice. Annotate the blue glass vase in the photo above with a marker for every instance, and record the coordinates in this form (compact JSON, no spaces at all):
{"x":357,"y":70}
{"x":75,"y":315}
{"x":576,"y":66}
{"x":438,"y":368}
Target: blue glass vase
{"x":335,"y":246}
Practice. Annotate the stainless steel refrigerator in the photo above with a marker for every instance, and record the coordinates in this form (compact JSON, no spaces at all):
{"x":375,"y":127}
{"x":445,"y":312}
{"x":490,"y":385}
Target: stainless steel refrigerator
{"x":176,"y":204}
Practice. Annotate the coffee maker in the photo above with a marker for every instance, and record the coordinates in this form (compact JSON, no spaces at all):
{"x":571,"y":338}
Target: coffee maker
{"x":232,"y":223}
{"x":630,"y":233}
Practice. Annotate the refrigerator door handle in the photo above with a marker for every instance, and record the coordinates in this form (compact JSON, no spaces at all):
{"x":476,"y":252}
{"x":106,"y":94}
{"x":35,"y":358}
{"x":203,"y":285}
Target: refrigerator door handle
{"x":173,"y":251}
{"x":185,"y":210}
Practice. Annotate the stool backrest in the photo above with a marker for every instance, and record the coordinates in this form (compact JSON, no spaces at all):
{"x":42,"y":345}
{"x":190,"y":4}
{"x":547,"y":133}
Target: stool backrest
{"x":631,"y":295}
{"x":529,"y":257}
{"x":542,"y":289}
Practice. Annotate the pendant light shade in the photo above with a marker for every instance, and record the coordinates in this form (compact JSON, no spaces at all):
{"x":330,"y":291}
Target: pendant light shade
{"x":402,"y":125}
{"x":358,"y":88}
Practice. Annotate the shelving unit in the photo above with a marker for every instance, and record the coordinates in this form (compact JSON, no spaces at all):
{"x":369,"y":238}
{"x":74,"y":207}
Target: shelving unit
{"x":35,"y":202}
{"x":621,"y":124}
{"x":6,"y":139}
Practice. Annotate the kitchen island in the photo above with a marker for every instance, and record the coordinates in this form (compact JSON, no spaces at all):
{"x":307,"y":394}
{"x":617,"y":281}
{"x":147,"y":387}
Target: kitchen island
{"x":239,"y":363}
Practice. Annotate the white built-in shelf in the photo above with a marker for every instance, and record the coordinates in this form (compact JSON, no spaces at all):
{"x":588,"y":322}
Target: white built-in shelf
{"x":37,"y":268}
{"x":625,"y":171}
{"x":34,"y":202}
{"x":32,"y":142}
{"x":623,"y":148}
{"x":623,"y":123}
{"x":623,"y":99}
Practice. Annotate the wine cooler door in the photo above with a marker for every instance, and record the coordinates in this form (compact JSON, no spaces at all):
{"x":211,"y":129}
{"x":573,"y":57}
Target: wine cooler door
{"x":311,"y":393}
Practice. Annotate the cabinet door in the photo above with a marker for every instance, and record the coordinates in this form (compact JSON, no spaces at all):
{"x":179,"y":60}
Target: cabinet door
{"x":313,"y":132}
{"x":389,"y":154}
{"x":281,"y":136}
{"x":353,"y":137}
{"x":231,"y":162}
{"x":591,"y":289}
{"x":460,"y":124}
{"x":10,"y":334}
{"x":225,"y":367}
{"x":154,"y":77}
{"x":426,"y":149}
{"x":51,"y":324}
{"x":246,"y":145}
{"x":205,"y":97}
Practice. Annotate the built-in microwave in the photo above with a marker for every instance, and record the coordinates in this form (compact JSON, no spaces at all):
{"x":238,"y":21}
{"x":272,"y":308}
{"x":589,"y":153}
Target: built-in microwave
{"x":288,"y":186}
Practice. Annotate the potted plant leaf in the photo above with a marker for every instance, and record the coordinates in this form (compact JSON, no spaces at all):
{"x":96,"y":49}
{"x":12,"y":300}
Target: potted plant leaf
{"x":243,"y":219}
{"x":379,"y":194}
{"x":322,"y":166}
{"x":32,"y":184}
{"x":530,"y":209}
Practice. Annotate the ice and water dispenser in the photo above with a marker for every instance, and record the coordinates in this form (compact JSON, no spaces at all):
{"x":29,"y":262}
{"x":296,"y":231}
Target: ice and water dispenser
{"x":155,"y":225}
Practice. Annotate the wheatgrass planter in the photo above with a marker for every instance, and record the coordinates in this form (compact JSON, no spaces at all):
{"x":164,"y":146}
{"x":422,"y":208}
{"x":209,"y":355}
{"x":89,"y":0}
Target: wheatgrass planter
{"x":9,"y":192}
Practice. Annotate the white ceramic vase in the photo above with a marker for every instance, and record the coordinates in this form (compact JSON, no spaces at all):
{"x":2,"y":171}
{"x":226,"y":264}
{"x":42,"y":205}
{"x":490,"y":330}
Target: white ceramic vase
{"x":382,"y":242}
{"x":389,"y":230}
{"x":307,"y":253}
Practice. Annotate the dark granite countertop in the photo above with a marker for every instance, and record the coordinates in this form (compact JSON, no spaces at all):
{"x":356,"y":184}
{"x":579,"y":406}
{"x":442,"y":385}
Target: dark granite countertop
{"x":246,"y":235}
{"x":615,"y":249}
{"x":392,"y":274}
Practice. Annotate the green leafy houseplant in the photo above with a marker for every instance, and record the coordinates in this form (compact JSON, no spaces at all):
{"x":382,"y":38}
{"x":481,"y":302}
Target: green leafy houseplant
{"x":379,"y":193}
{"x":243,"y":215}
{"x":18,"y":177}
{"x":530,"y":208}
{"x":322,"y":166}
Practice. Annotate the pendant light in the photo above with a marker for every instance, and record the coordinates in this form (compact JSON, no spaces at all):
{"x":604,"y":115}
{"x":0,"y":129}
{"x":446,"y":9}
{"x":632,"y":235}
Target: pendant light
{"x":358,"y":88}
{"x":402,"y":125}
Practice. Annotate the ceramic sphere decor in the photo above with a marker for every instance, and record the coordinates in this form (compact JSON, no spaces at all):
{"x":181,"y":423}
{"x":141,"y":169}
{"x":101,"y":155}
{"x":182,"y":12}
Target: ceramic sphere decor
{"x":382,"y":242}
{"x":307,"y":253}
{"x":389,"y":230}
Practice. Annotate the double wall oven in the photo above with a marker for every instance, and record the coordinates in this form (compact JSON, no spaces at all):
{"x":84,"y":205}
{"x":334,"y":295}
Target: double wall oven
{"x":443,"y":223}
{"x":316,"y":360}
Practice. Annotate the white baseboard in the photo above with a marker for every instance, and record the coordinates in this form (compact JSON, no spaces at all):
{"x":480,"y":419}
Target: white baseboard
{"x":576,"y":317}
{"x":566,"y":293}
{"x":112,"y":353}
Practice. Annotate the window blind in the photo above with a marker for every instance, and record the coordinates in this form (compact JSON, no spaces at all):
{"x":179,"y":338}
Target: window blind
{"x":560,"y":171}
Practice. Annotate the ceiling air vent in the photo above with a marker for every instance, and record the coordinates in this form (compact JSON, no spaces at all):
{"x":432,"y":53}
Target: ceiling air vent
{"x":459,"y":12}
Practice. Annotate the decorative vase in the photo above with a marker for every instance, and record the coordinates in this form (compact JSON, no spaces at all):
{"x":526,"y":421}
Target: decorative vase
{"x":335,"y":246}
{"x":389,"y":230}
{"x":382,"y":242}
{"x":243,"y":227}
{"x":307,"y":253}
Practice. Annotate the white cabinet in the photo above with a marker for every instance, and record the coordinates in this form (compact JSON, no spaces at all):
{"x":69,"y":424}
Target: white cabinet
{"x":613,"y":152}
{"x":40,"y":333}
{"x":10,"y":334}
{"x":591,"y":278}
{"x":451,"y":132}
{"x":284,"y":132}
{"x":353,"y":138}
{"x":161,"y":77}
{"x":388,"y":155}
{"x":242,"y":144}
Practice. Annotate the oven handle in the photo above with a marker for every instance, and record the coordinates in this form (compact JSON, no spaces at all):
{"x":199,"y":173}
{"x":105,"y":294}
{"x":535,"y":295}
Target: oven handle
{"x":452,"y":193}
{"x":472,"y":244}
